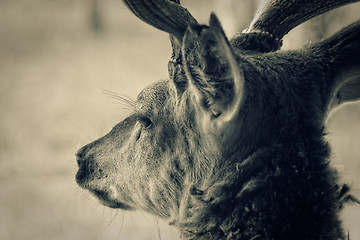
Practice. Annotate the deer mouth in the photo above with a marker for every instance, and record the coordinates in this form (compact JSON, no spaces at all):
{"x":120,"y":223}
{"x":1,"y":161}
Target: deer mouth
{"x":95,"y":183}
{"x":106,"y":199}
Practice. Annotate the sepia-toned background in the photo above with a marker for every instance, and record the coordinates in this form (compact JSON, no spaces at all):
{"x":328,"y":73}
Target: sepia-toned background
{"x":57,"y":58}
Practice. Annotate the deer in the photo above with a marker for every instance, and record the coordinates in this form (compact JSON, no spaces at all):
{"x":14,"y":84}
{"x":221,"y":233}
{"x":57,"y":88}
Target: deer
{"x":232,"y":145}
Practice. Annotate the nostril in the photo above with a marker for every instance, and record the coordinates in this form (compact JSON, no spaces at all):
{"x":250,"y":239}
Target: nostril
{"x":82,"y":152}
{"x":78,"y":160}
{"x":80,"y":155}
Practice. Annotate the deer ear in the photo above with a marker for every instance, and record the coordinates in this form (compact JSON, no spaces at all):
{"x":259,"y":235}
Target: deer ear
{"x":347,"y":88}
{"x":343,"y":49}
{"x":215,"y":79}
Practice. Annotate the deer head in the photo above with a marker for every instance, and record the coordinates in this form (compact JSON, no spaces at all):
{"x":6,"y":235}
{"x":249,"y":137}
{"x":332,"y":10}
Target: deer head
{"x":231,"y":146}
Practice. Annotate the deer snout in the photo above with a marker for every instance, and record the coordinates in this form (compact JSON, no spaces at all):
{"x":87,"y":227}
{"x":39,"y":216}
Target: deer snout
{"x":89,"y":171}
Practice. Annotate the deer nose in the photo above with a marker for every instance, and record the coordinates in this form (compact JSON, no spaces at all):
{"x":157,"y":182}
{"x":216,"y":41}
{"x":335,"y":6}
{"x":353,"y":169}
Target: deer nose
{"x":80,"y":155}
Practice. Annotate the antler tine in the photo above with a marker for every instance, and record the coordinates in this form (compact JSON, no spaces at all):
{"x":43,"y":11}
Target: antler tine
{"x":166,"y":15}
{"x":278,"y":17}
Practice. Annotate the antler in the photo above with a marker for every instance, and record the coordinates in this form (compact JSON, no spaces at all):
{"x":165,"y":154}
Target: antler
{"x":166,"y":15}
{"x":278,"y":17}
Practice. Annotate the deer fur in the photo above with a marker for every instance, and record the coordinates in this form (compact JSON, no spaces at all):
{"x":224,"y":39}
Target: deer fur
{"x":232,"y":145}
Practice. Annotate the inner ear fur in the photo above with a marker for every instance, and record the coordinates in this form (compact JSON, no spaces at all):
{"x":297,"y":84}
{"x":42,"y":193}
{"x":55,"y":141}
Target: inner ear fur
{"x":347,"y":88}
{"x":214,"y":76}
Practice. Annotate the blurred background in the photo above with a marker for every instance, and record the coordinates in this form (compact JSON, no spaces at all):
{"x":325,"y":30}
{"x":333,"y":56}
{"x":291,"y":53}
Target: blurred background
{"x":57,"y":58}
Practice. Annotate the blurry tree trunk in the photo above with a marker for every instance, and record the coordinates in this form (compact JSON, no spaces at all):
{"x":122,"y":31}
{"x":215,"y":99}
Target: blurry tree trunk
{"x":320,"y":27}
{"x":317,"y":28}
{"x":96,"y":23}
{"x":235,"y":15}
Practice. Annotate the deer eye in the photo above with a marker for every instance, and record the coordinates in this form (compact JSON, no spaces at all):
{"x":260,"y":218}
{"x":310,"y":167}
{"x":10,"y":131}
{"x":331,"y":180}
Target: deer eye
{"x":145,"y":122}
